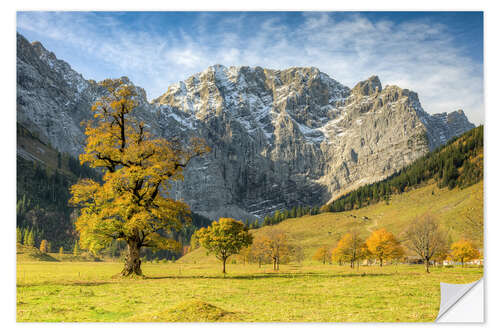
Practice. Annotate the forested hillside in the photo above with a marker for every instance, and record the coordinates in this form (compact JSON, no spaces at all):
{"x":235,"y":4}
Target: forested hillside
{"x":44,"y":176}
{"x":459,"y":163}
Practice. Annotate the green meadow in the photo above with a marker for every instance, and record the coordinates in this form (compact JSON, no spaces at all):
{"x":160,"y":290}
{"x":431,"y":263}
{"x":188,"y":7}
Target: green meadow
{"x":308,"y":292}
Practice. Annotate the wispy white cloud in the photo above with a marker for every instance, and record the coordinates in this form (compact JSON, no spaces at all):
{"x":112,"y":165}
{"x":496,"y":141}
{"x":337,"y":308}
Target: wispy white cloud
{"x":419,"y":55}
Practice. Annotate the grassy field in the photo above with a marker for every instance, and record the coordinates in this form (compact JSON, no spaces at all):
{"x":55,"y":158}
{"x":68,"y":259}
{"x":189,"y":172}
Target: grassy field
{"x":85,"y":291}
{"x":192,"y":289}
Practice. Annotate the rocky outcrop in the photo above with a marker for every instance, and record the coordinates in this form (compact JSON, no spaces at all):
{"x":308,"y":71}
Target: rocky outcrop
{"x":279,"y":138}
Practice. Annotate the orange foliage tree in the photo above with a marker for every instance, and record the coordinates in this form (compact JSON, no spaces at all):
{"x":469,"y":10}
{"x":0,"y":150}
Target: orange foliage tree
{"x":383,"y":245}
{"x":138,"y":168}
{"x":464,"y":250}
{"x":44,"y":246}
{"x":322,"y":254}
{"x":350,"y":248}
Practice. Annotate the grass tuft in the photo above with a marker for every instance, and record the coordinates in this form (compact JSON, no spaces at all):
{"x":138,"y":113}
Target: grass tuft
{"x":188,"y":311}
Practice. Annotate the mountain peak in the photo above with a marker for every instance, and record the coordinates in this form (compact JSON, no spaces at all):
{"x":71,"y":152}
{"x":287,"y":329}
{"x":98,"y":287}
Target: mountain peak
{"x":369,"y":86}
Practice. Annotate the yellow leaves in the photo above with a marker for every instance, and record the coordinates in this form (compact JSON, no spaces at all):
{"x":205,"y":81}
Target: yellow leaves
{"x":384,"y":245}
{"x":157,"y":241}
{"x":350,"y":248}
{"x":322,"y":254}
{"x":464,"y":250}
{"x":224,"y":238}
{"x":138,"y":168}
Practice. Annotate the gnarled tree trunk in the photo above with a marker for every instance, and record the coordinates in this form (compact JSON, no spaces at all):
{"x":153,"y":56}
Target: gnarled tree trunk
{"x":133,"y":259}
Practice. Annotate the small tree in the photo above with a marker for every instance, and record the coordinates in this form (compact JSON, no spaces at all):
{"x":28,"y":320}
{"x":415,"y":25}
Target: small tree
{"x":61,"y":250}
{"x":26,"y":236}
{"x":259,"y":250}
{"x":464,"y":250}
{"x":425,"y":238}
{"x":441,"y":255}
{"x":44,"y":246}
{"x":30,"y":241}
{"x":351,"y":248}
{"x":322,"y":254}
{"x":383,"y":245}
{"x":278,"y":247}
{"x":224,"y":238}
{"x":19,"y":236}
{"x":76,"y":249}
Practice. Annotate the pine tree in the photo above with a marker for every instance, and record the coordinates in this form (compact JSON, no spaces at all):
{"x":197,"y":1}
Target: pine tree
{"x":31,"y":239}
{"x":19,"y":236}
{"x":267,"y":220}
{"x":76,"y":249}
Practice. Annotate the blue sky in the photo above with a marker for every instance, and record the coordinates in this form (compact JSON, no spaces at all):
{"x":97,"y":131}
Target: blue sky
{"x":437,"y":54}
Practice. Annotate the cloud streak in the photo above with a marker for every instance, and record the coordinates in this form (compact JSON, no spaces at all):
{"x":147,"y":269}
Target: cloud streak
{"x":419,"y":54}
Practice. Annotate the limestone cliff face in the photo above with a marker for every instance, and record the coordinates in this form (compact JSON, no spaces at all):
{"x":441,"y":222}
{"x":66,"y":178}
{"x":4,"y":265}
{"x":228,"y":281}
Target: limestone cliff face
{"x":279,"y":138}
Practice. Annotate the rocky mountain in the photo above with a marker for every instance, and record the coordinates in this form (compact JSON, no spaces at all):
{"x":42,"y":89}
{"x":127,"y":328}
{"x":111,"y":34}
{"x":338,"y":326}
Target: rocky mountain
{"x":279,"y":138}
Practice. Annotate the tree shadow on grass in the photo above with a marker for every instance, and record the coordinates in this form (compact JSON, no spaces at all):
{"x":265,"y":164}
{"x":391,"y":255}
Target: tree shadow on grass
{"x":65,"y":283}
{"x":269,"y":275}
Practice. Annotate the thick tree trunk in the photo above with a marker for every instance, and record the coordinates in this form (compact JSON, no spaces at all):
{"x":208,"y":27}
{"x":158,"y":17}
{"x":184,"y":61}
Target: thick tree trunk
{"x":274,"y":263}
{"x":132,"y":260}
{"x":427,"y":264}
{"x":260,"y":262}
{"x":381,"y":262}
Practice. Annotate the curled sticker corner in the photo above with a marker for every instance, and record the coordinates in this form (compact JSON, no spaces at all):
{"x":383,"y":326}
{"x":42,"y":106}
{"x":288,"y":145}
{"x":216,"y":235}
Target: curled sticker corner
{"x":451,"y":294}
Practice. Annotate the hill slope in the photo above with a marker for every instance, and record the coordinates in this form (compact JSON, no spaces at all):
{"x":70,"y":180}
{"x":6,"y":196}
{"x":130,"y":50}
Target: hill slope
{"x":453,"y":208}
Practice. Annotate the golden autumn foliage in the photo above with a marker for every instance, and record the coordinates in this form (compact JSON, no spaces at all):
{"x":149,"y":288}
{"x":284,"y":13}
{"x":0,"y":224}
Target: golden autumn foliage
{"x":350,"y":248}
{"x":259,"y":251}
{"x":138,"y":168}
{"x":44,"y":246}
{"x":277,"y":245}
{"x":383,"y":245}
{"x":322,"y":254}
{"x":464,"y":250}
{"x":224,"y":238}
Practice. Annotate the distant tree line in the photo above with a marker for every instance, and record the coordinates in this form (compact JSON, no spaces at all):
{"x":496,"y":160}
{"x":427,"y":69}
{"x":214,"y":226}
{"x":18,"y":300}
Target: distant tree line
{"x":281,"y":215}
{"x":459,"y":163}
{"x":424,"y":237}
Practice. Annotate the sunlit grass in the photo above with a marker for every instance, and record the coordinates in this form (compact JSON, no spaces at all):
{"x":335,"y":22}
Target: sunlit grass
{"x":67,"y":291}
